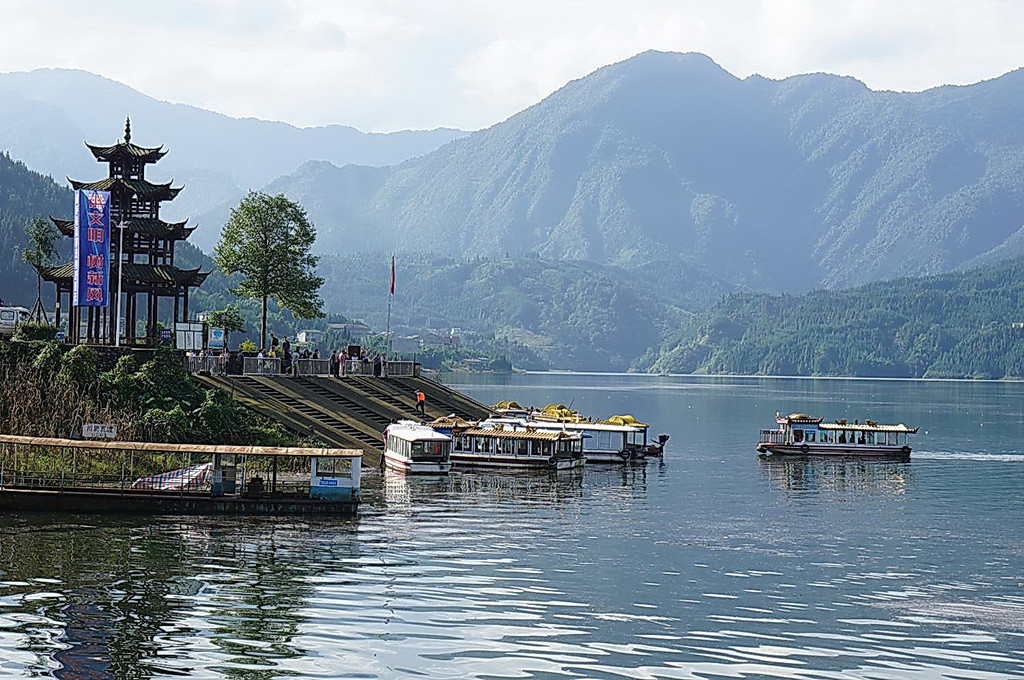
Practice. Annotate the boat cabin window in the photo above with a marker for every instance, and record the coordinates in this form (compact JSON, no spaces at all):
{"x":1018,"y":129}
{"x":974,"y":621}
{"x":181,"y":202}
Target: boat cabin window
{"x":869,"y":437}
{"x":545,"y":448}
{"x":604,"y":441}
{"x":506,"y":446}
{"x":798,"y":436}
{"x":333,"y":467}
{"x":428,"y":449}
{"x":485,"y":444}
{"x":522,"y":447}
{"x":809,"y":435}
{"x":461,"y":442}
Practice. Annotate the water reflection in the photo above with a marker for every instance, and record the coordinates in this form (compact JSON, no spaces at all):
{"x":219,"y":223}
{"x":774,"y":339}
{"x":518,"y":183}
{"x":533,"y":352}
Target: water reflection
{"x":399,"y":490}
{"x":122,"y":600}
{"x":807,"y":475}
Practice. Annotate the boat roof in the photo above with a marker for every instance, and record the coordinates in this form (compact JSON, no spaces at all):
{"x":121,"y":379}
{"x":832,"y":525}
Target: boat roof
{"x":551,"y":425}
{"x":545,"y":435}
{"x":205,"y":449}
{"x":863,"y":427}
{"x":413,"y":431}
{"x":866,"y":426}
{"x":797,"y":418}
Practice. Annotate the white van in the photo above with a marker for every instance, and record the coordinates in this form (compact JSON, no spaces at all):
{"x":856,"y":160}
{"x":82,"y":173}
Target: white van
{"x":10,"y":317}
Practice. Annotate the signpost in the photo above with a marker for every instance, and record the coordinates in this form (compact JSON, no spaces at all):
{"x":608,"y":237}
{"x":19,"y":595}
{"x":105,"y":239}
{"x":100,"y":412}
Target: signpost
{"x":99,"y":431}
{"x":216,"y":340}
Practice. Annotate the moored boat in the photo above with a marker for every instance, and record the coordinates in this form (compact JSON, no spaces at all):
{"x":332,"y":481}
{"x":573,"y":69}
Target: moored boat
{"x":495,"y":445}
{"x":614,"y":440}
{"x":418,"y":449}
{"x":803,"y":435}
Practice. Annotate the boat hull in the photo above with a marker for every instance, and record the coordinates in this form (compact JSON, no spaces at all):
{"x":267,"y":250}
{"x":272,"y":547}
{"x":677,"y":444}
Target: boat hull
{"x":95,"y":501}
{"x":840,"y":451}
{"x":533,"y":462}
{"x":413,"y":467}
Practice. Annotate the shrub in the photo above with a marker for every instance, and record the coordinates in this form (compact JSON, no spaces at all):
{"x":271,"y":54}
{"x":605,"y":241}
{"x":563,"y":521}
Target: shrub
{"x":35,"y":330}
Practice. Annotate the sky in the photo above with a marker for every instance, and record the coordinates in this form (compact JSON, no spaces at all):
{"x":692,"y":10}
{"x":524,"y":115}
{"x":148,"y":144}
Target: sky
{"x":384,"y":65}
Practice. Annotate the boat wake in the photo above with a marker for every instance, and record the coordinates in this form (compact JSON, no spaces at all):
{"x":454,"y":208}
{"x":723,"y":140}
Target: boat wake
{"x":966,"y":455}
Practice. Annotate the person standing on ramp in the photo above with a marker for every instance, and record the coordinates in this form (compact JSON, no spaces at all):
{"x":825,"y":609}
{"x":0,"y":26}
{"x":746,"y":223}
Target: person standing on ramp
{"x":421,"y":403}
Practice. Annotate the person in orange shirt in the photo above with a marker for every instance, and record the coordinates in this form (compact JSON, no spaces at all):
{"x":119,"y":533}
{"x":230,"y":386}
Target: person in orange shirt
{"x":421,"y":403}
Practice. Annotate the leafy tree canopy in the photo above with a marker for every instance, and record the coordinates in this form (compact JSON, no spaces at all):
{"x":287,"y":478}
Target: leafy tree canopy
{"x":267,"y":241}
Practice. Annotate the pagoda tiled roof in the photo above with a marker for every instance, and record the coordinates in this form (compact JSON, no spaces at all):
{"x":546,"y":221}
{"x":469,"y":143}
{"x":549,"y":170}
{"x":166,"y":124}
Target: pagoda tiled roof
{"x":126,"y":150}
{"x":133,"y":271}
{"x":146,"y":226}
{"x":139,"y":187}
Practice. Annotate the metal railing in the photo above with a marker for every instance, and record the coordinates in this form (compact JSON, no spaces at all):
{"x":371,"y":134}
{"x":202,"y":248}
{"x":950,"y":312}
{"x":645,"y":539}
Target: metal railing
{"x":772,"y":437}
{"x":401,"y":368}
{"x":261,"y":366}
{"x":390,"y":368}
{"x":212,"y":364}
{"x":311,"y":366}
{"x":358,"y":367}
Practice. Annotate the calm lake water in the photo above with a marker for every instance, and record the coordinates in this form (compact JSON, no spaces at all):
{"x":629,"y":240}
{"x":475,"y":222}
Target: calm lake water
{"x":713,"y":563}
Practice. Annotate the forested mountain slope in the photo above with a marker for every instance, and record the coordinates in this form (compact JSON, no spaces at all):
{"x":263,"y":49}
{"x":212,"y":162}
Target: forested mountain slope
{"x":23,"y":195}
{"x":958,"y":325}
{"x":569,"y":315}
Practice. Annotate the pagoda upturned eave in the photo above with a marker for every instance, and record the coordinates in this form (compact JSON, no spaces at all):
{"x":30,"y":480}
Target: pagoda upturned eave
{"x":144,"y":226}
{"x":139,"y":187}
{"x":134,"y":273}
{"x":123,"y":151}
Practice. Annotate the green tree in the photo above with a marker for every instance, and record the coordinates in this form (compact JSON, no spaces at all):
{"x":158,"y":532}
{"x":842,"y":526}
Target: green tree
{"x":267,"y":241}
{"x":230,"y":319}
{"x":42,"y":247}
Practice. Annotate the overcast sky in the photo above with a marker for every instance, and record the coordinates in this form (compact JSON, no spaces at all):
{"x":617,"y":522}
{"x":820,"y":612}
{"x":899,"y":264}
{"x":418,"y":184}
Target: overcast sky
{"x":393,"y":64}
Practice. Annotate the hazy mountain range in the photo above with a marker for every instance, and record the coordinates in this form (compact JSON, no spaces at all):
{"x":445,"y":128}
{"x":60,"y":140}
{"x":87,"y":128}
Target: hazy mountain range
{"x":46,"y":116}
{"x":806,"y":182}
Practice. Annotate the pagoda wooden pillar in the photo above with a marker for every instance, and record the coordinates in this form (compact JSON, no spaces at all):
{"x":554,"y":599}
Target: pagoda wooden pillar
{"x":56,"y":311}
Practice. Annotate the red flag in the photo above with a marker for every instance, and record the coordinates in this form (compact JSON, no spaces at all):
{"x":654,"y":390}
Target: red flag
{"x":392,"y":274}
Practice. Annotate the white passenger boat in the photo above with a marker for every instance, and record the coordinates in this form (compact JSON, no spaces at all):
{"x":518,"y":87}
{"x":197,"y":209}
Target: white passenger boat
{"x":495,"y":445}
{"x":615,"y":440}
{"x":415,"y":448}
{"x":803,"y":435}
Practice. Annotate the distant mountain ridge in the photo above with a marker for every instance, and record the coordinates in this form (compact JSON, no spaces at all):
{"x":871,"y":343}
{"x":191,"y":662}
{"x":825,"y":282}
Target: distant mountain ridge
{"x":44,"y":122}
{"x":811,"y":181}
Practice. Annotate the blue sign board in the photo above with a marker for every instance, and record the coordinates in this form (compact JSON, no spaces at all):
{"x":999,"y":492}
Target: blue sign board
{"x":216,"y":338}
{"x":92,"y":248}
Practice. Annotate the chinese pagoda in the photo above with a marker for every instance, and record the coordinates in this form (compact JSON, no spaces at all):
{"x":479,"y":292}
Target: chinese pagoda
{"x":144,"y":270}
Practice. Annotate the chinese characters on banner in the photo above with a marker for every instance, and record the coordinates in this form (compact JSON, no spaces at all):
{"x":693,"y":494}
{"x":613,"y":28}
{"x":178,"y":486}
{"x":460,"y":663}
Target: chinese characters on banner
{"x":92,"y":247}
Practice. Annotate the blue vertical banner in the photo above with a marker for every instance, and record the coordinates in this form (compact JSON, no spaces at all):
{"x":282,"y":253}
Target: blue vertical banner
{"x":92,"y":248}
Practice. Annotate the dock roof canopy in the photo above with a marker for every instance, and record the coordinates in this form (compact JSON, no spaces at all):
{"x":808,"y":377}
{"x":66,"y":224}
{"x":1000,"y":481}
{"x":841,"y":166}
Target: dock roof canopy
{"x":202,"y":449}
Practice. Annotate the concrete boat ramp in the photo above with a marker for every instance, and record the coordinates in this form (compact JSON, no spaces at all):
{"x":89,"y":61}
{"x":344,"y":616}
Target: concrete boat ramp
{"x":349,"y":412}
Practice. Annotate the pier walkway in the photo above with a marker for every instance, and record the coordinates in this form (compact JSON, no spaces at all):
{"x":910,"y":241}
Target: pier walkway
{"x":349,"y":412}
